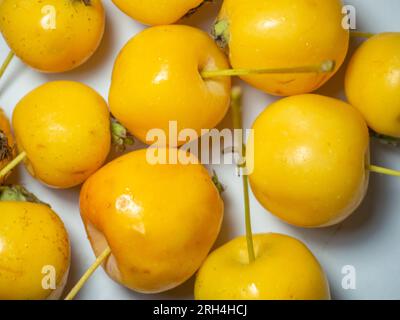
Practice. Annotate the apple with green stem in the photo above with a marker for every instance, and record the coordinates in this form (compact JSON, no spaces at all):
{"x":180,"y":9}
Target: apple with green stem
{"x":152,"y":224}
{"x":153,"y":67}
{"x":263,"y":266}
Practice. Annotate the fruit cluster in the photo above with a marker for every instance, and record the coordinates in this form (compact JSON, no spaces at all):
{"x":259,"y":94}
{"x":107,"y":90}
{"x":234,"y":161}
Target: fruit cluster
{"x":152,"y":226}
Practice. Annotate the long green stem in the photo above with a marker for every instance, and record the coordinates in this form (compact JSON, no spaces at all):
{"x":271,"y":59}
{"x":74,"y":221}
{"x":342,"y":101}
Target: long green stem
{"x":6,"y":62}
{"x":324,"y":67}
{"x":12,"y":164}
{"x":249,"y":231}
{"x":386,"y":171}
{"x":236,"y":105}
{"x":102,"y":257}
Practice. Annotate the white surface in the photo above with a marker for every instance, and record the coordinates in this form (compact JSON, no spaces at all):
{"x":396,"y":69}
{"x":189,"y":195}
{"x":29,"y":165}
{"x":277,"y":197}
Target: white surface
{"x":369,"y":240}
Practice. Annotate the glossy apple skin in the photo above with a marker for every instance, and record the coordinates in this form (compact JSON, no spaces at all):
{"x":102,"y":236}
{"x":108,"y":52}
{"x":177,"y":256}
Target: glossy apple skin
{"x":311,"y":158}
{"x":284,"y":269}
{"x":64,"y":128}
{"x":7,"y":143}
{"x":373,"y":82}
{"x":52,"y":35}
{"x":156,"y":79}
{"x":160,"y":221}
{"x":32,"y":236}
{"x":285,"y":33}
{"x":157,"y":12}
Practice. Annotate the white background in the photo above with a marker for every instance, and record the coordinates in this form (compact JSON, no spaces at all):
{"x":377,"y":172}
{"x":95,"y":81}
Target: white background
{"x":369,"y":240}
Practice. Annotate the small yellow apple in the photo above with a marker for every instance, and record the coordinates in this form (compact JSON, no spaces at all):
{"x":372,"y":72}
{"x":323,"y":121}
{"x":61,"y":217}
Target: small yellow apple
{"x":34,"y":248}
{"x":311,"y":159}
{"x":373,"y":83}
{"x":160,"y":220}
{"x":284,"y":269}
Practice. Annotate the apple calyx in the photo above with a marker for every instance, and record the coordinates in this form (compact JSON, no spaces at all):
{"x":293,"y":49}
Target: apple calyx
{"x":194,"y":10}
{"x":6,"y":151}
{"x":217,"y":183}
{"x":221,"y":34}
{"x":120,"y":136}
{"x":384,"y":139}
{"x":19,"y":194}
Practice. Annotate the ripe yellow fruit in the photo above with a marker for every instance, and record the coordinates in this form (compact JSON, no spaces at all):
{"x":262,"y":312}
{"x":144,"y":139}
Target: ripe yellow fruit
{"x":52,"y":35}
{"x":283,"y":33}
{"x":373,"y":82}
{"x":311,"y":159}
{"x":7,"y":144}
{"x":284,"y":269}
{"x":157,"y":79}
{"x":157,"y":12}
{"x":34,"y":247}
{"x":64,"y":128}
{"x":160,"y":220}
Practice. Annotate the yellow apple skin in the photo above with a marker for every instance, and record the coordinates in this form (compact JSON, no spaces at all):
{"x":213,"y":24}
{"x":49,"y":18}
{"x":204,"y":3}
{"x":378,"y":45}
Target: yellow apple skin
{"x":31,"y":237}
{"x":311,"y":158}
{"x":373,"y":83}
{"x":156,"y":79}
{"x":157,"y":12}
{"x":284,"y":269}
{"x":52,"y":35}
{"x":7,"y":144}
{"x":160,"y":221}
{"x":64,"y":128}
{"x":285,"y":33}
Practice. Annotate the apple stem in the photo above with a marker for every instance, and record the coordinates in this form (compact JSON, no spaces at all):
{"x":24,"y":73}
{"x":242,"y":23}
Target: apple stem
{"x":120,"y":136}
{"x":249,"y":231}
{"x":386,"y":171}
{"x":18,"y":159}
{"x":324,"y":67}
{"x":100,"y":259}
{"x":220,"y":187}
{"x":357,"y":34}
{"x":236,"y":105}
{"x":6,"y":62}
